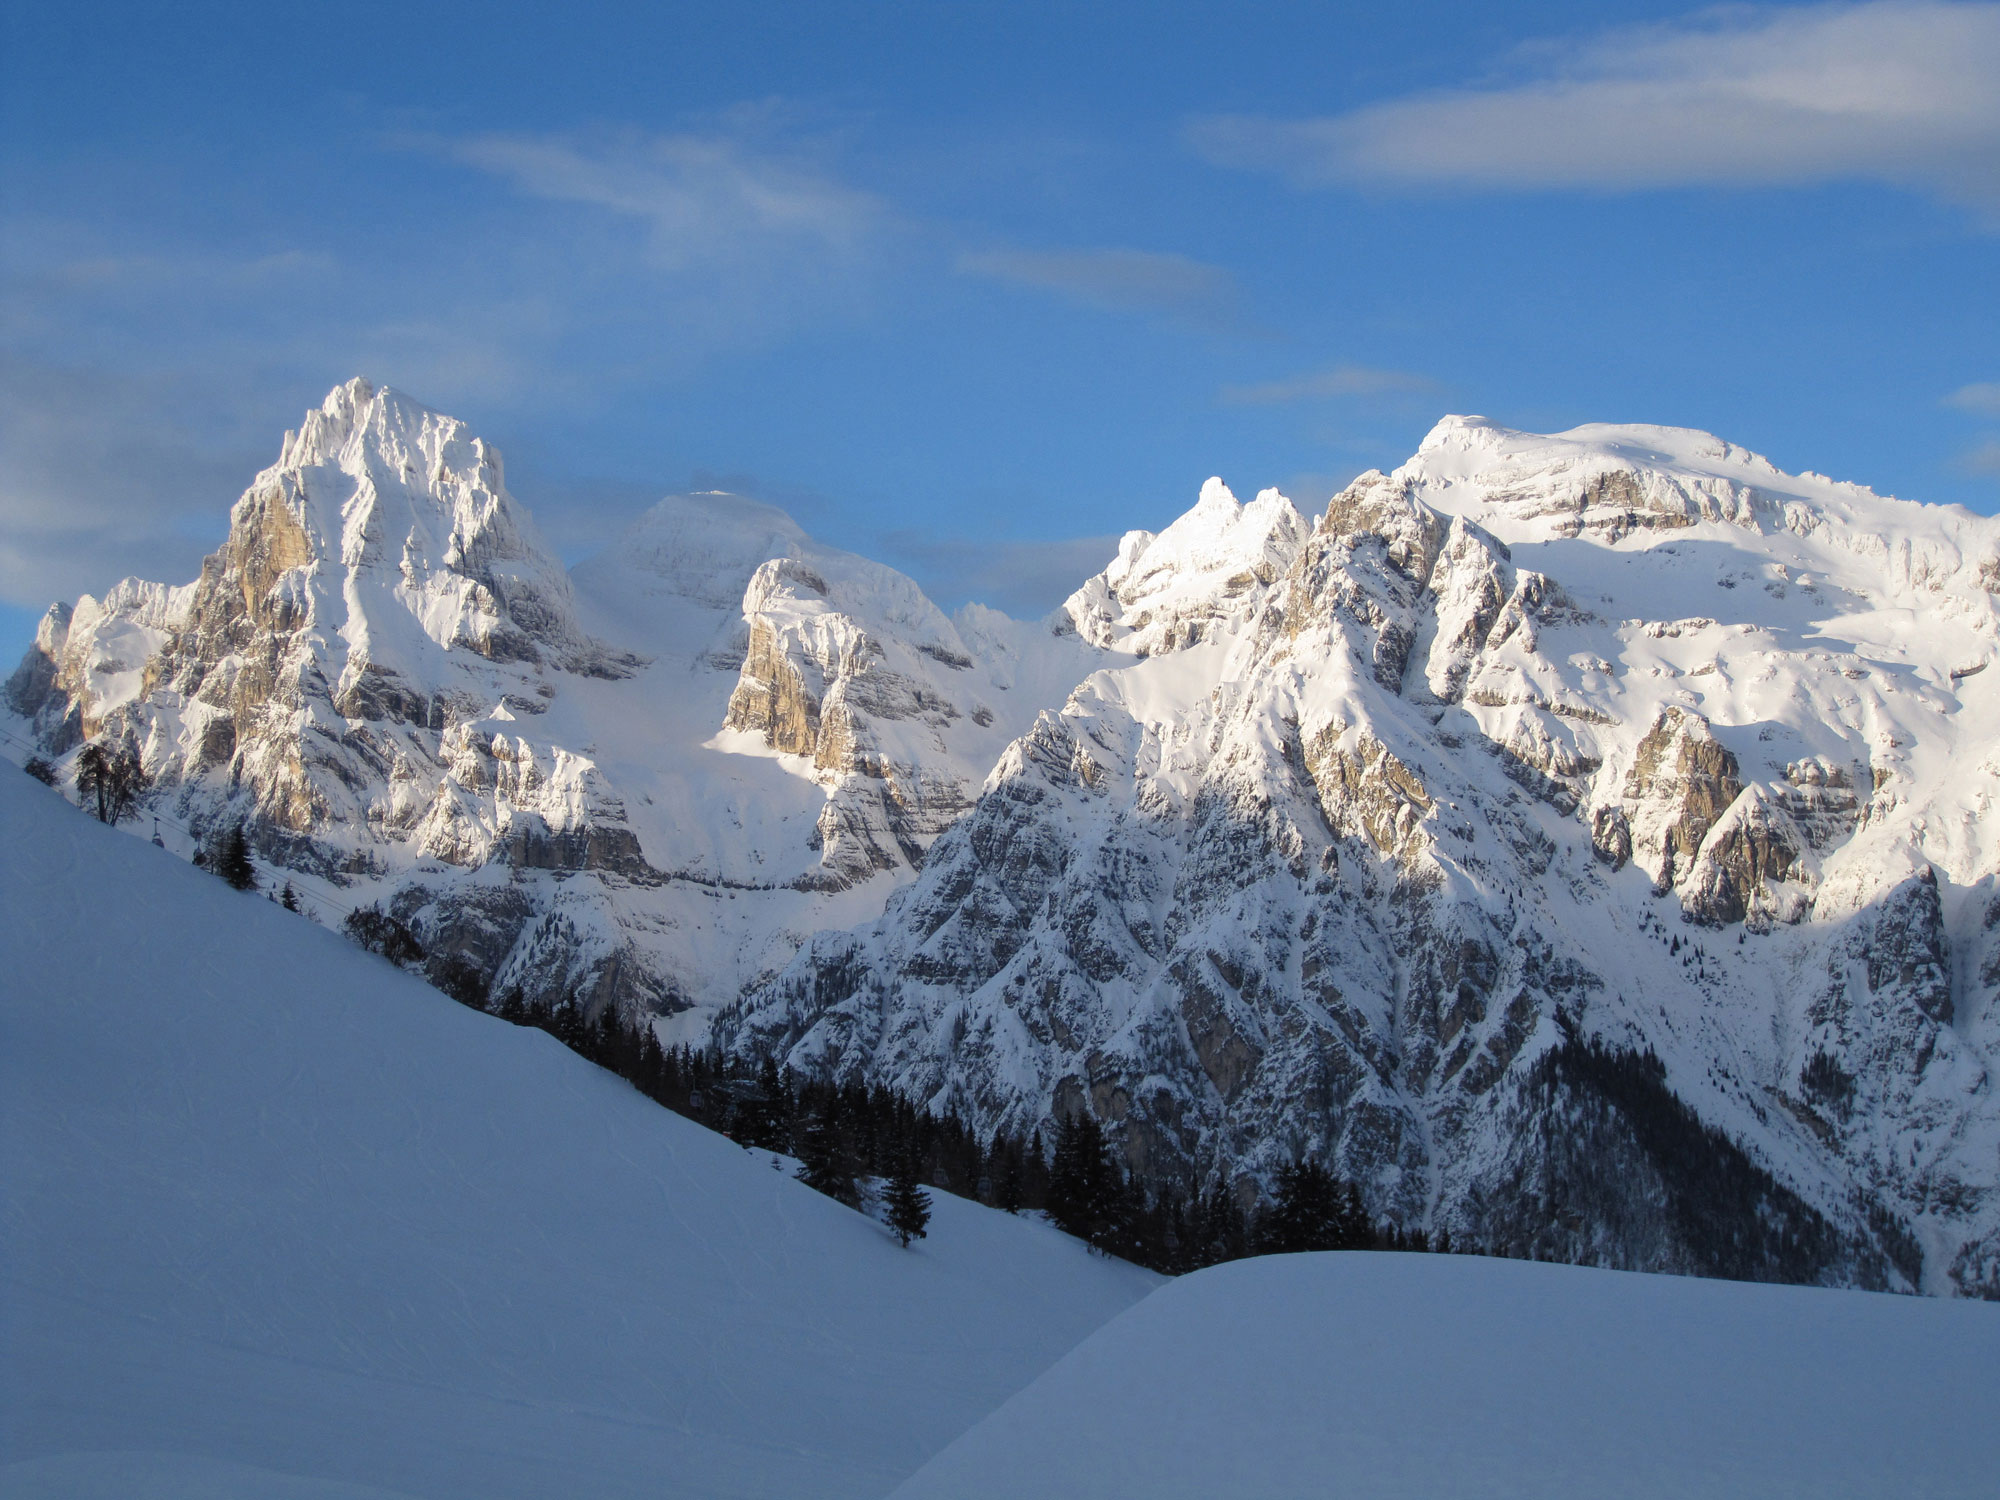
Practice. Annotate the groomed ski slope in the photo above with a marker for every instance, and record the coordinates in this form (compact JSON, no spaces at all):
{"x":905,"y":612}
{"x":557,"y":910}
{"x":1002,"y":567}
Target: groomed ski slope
{"x":279,"y":1221}
{"x":1417,"y":1377}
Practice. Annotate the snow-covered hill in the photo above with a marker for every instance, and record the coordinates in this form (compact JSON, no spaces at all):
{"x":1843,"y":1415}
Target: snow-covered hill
{"x":1407,"y":1377}
{"x":1584,"y":842}
{"x":278,"y":1220}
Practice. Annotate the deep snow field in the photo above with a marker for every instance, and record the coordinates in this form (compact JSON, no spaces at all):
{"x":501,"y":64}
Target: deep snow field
{"x":277,"y":1221}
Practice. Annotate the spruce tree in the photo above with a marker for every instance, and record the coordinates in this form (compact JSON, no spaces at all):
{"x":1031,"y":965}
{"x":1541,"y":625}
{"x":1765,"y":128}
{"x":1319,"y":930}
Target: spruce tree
{"x":289,"y":899}
{"x":1308,"y":1214}
{"x":1086,"y":1190}
{"x":1219,"y":1229}
{"x":1035,"y":1173}
{"x":1007,"y":1174}
{"x":232,"y":860}
{"x":1357,"y":1230}
{"x":825,"y":1164}
{"x":908,"y":1204}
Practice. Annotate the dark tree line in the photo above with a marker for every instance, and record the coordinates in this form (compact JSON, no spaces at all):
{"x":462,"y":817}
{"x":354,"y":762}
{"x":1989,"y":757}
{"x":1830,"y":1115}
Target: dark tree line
{"x":1729,"y":1216}
{"x":855,"y":1142}
{"x":867,"y":1146}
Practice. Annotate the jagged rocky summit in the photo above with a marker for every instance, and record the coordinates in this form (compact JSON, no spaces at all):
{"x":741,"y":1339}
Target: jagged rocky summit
{"x":1582,"y":842}
{"x":643,"y":785}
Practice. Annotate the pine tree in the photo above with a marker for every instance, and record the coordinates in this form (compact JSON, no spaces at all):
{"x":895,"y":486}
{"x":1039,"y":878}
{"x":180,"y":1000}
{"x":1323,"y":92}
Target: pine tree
{"x":908,"y":1204}
{"x":1357,"y":1230}
{"x":232,"y":860}
{"x":1087,"y":1192}
{"x":825,"y":1161}
{"x":1007,"y":1174}
{"x":1308,"y":1214}
{"x":1219,"y":1229}
{"x":764,"y":1117}
{"x":1174,"y":1245}
{"x":110,"y":779}
{"x":290,"y":899}
{"x":1035,"y":1173}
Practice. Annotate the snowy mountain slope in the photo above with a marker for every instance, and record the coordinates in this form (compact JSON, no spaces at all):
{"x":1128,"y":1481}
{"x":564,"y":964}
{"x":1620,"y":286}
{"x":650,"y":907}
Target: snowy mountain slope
{"x":392,"y":678}
{"x":279,"y":1220}
{"x":1550,"y":788}
{"x":1417,"y":1376}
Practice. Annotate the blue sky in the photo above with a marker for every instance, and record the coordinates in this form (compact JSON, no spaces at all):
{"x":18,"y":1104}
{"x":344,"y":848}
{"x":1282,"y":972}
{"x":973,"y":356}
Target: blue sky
{"x":973,"y":288}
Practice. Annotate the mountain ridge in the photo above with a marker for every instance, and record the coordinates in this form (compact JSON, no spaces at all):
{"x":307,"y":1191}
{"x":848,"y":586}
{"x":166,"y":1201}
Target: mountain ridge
{"x":1282,"y":835}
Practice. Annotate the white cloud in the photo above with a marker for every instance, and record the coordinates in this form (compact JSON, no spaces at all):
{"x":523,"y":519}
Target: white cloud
{"x":1902,"y":93}
{"x":1985,"y":459}
{"x":1341,"y":380}
{"x":1981,"y":399}
{"x":1118,"y":280}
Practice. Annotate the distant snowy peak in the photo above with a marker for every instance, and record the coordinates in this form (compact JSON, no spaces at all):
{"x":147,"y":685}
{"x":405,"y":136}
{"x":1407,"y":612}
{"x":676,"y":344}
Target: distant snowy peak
{"x":1166,"y":591}
{"x":701,"y":547}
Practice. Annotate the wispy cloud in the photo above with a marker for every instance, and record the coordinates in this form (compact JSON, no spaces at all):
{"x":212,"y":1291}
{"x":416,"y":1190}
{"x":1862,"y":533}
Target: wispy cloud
{"x":703,"y":198}
{"x":102,"y":476}
{"x":1324,"y":385}
{"x":1145,"y":281}
{"x":1982,"y":399}
{"x":1984,"y":460}
{"x":1902,"y":93}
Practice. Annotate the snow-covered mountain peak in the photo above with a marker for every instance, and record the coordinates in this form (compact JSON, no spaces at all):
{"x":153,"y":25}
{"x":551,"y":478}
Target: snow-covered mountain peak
{"x":702,"y":547}
{"x":856,"y":679}
{"x":358,"y":415}
{"x":417,"y":506}
{"x":1636,"y":485}
{"x":1165,"y":591}
{"x":1472,"y":443}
